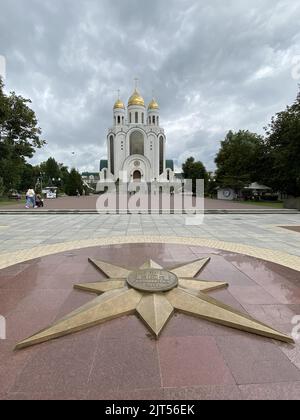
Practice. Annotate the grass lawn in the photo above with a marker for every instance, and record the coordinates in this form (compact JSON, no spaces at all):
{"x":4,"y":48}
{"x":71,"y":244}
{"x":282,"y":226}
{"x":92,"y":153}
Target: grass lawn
{"x":7,"y":202}
{"x":273,"y":204}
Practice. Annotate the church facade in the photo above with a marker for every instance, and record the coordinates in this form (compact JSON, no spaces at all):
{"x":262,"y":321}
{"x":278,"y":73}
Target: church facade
{"x":136,"y":144}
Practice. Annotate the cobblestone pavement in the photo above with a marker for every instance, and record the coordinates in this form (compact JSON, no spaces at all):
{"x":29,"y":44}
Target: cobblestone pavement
{"x":23,"y":232}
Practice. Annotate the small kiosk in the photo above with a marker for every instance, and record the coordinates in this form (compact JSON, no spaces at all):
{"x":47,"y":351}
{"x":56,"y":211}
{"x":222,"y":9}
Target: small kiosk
{"x":50,"y":193}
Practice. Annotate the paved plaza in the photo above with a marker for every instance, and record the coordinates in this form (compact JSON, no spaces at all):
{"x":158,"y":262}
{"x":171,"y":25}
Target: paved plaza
{"x":42,"y":257}
{"x":90,"y":203}
{"x":23,"y":232}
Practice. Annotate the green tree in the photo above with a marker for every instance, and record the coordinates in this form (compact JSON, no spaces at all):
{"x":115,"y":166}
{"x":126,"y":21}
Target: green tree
{"x":282,"y":171}
{"x":195,"y":170}
{"x":240,"y":160}
{"x":29,"y":177}
{"x":19,"y":136}
{"x":212,"y":185}
{"x":74,"y":183}
{"x":51,"y":169}
{"x":54,"y":174}
{"x":64,"y":173}
{"x":2,"y":188}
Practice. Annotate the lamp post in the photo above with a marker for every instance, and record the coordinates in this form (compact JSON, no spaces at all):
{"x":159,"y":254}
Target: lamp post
{"x":73,"y":160}
{"x":41,"y":180}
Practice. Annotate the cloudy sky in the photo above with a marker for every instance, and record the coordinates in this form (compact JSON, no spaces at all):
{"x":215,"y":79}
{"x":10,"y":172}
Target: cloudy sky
{"x":213,"y":65}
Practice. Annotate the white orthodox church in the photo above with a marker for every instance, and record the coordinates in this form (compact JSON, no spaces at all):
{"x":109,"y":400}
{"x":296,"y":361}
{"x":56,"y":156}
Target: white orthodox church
{"x":136,"y":145}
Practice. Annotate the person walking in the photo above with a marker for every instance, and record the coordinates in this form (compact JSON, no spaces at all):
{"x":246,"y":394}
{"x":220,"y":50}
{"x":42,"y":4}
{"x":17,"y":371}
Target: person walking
{"x":30,"y":198}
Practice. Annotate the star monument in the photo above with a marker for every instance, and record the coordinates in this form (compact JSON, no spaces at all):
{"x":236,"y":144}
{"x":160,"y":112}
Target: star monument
{"x":154,"y":294}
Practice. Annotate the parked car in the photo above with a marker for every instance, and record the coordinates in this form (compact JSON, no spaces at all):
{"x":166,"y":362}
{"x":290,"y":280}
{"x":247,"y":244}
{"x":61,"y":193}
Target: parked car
{"x":14,"y":195}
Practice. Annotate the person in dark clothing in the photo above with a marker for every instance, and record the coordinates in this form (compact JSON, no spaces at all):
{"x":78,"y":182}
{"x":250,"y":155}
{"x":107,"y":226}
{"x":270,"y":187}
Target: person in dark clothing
{"x":39,"y":201}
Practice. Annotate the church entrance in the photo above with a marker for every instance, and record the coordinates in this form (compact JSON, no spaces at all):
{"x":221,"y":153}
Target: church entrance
{"x":137,"y":176}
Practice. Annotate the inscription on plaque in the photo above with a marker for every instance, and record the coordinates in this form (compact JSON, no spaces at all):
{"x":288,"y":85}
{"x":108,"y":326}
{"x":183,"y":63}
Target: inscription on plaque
{"x":152,"y":280}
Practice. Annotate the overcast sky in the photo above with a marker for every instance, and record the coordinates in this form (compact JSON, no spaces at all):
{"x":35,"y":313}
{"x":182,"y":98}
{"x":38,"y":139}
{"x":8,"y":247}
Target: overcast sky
{"x":213,"y":65}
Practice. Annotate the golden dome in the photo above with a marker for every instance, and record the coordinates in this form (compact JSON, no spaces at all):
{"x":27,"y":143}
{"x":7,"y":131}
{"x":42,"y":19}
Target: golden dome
{"x":136,"y":99}
{"x":153,"y":105}
{"x":119,"y":105}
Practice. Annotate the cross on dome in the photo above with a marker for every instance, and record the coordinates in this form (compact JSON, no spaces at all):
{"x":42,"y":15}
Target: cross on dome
{"x":136,"y":99}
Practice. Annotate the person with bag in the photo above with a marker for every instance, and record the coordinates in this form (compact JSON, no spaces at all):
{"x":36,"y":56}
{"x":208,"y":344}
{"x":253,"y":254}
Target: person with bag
{"x":30,"y":199}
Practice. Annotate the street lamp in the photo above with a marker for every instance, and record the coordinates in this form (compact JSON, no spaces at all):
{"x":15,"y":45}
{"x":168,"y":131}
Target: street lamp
{"x":41,"y":180}
{"x":73,"y":160}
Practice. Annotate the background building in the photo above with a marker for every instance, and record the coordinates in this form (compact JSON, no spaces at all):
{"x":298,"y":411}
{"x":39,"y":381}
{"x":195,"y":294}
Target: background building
{"x":136,"y":144}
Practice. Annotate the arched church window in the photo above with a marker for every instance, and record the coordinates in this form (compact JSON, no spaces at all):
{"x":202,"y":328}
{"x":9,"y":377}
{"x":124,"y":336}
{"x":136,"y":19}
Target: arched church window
{"x":157,"y":120}
{"x":119,"y":119}
{"x":143,"y":118}
{"x":105,"y":174}
{"x":136,"y":117}
{"x":153,"y":119}
{"x":137,"y":143}
{"x":115,"y":120}
{"x":112,"y":155}
{"x":123,"y":120}
{"x":130,"y":118}
{"x":161,"y":155}
{"x":168,"y":175}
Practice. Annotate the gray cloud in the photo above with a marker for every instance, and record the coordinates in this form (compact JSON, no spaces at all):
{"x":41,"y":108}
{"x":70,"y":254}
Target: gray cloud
{"x":213,"y":66}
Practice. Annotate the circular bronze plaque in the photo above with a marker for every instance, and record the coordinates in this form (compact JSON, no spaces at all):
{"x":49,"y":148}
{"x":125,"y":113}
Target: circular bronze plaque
{"x":152,"y":280}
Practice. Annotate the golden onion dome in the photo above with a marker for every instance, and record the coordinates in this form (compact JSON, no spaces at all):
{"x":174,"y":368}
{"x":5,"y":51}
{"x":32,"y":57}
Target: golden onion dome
{"x":153,"y":105}
{"x":136,"y":99}
{"x":119,"y":105}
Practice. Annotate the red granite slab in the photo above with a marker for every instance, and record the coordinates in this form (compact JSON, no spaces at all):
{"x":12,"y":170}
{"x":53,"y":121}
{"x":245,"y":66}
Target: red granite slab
{"x":157,"y":394}
{"x":68,"y":395}
{"x":128,"y":326}
{"x":182,"y":325}
{"x":61,"y":366}
{"x":133,"y":256}
{"x":252,"y":295}
{"x":192,"y":361}
{"x":123,"y":364}
{"x":282,"y":285}
{"x":269,"y":313}
{"x":256,"y":360}
{"x":9,"y":299}
{"x":292,"y":352}
{"x":35,"y":312}
{"x":221,"y":270}
{"x":285,"y":391}
{"x":204,"y":392}
{"x":11,"y":364}
{"x":185,"y":325}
